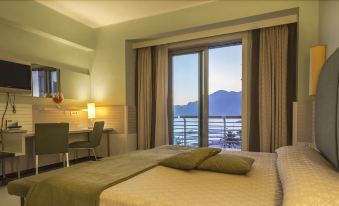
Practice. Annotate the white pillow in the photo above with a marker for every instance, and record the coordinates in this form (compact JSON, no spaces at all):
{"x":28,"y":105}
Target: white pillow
{"x":307,"y":177}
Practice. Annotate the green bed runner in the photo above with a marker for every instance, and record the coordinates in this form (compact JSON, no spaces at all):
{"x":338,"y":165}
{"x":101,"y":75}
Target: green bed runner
{"x":82,"y":184}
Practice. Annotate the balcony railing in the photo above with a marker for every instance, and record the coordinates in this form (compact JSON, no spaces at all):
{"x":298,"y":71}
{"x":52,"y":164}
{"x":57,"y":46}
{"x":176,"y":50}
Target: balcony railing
{"x":223,"y":131}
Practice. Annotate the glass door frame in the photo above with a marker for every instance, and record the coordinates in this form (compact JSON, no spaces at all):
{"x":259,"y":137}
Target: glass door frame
{"x":198,"y":51}
{"x":202,"y":47}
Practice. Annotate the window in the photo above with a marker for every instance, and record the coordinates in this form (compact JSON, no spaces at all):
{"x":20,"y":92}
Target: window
{"x":45,"y":80}
{"x":207,"y":96}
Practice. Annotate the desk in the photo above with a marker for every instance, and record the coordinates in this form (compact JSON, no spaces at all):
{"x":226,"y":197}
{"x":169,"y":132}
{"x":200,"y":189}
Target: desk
{"x":86,"y":131}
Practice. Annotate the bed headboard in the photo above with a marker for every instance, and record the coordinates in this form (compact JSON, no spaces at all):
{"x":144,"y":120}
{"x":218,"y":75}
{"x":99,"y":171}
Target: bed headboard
{"x":327,"y":110}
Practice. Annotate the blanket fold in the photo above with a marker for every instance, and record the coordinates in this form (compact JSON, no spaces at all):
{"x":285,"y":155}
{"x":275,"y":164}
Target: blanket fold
{"x":82,"y":184}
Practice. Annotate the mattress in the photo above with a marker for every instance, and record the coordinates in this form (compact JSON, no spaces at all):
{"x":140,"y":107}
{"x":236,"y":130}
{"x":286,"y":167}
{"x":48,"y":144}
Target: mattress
{"x":162,"y":186}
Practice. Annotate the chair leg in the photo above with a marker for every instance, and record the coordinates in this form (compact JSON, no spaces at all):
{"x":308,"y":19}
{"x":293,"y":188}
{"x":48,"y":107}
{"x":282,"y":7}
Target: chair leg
{"x":22,"y":201}
{"x":18,"y":166}
{"x":63,"y":160}
{"x":3,"y":168}
{"x":67,"y":160}
{"x":95,"y":156}
{"x":75,"y":154}
{"x":36,"y":164}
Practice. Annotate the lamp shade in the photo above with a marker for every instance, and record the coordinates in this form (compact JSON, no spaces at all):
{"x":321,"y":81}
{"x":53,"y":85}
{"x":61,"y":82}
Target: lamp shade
{"x":91,"y":110}
{"x":317,"y":60}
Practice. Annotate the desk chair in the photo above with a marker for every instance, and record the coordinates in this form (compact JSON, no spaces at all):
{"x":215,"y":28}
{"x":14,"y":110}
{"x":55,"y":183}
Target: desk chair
{"x":94,"y":139}
{"x":51,"y":138}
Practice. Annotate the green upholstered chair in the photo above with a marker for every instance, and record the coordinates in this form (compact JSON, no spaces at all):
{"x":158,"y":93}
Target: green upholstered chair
{"x":51,"y":138}
{"x":94,"y":139}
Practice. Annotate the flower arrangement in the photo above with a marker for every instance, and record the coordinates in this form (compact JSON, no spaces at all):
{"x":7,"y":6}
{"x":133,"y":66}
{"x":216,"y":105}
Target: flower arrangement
{"x":58,"y":98}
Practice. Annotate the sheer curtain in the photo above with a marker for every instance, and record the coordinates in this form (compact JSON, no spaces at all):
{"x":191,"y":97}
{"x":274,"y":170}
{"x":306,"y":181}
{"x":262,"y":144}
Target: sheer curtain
{"x":272,"y":88}
{"x":144,"y":82}
{"x":161,"y":113}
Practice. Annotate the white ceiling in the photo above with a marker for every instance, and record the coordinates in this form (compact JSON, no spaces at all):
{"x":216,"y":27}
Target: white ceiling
{"x":97,"y":13}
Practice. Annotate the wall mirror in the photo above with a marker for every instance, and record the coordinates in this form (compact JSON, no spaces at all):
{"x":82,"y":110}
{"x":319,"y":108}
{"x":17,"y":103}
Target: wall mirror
{"x":45,"y":81}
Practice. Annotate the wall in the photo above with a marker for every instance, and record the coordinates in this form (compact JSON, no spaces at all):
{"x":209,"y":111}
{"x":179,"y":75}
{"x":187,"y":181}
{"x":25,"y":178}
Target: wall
{"x":329,"y":27}
{"x":112,"y":68}
{"x":32,"y":33}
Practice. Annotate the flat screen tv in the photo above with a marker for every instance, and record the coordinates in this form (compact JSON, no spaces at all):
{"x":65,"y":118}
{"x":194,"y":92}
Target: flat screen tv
{"x":15,"y":77}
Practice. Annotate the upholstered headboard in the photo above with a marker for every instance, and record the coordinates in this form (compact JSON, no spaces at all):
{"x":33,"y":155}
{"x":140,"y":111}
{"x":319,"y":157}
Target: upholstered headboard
{"x":327,"y":110}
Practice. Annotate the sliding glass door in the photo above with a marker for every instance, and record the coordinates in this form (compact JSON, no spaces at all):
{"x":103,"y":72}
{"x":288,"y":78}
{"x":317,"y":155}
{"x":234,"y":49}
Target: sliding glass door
{"x":186,"y":95}
{"x":207,"y":97}
{"x":225,"y":97}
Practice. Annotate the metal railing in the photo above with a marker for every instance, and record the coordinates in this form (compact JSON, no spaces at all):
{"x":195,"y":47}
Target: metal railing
{"x":223,"y":131}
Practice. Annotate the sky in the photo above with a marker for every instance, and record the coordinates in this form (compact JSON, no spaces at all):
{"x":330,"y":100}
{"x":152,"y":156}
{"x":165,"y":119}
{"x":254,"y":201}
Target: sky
{"x":225,"y":68}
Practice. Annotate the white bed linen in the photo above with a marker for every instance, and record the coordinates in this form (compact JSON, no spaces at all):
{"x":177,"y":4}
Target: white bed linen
{"x":162,"y":186}
{"x":307,"y":177}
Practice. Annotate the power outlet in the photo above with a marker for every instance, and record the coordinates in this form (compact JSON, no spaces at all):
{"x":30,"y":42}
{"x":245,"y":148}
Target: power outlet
{"x":74,"y":113}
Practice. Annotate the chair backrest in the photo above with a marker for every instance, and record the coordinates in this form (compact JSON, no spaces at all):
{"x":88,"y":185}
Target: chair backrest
{"x":95,"y":137}
{"x":51,"y":138}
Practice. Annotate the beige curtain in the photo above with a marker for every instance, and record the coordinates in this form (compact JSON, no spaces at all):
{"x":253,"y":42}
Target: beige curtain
{"x":144,"y":64}
{"x":272,"y":88}
{"x":161,"y":89}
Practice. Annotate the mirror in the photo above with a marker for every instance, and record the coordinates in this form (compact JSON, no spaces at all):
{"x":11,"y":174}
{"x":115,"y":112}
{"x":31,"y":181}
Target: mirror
{"x":45,"y":81}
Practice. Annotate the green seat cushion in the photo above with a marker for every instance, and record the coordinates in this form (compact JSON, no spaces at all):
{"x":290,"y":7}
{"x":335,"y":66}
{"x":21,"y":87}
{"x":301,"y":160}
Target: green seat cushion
{"x":227,"y":163}
{"x":81,"y":144}
{"x":190,"y":160}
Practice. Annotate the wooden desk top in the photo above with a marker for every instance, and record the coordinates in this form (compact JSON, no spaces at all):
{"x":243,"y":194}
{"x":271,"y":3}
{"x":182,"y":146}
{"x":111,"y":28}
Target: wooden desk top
{"x":78,"y":131}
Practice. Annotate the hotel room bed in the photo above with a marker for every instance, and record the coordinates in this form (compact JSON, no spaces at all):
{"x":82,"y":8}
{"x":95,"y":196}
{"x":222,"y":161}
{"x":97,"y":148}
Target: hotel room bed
{"x":295,"y":175}
{"x":170,"y":187}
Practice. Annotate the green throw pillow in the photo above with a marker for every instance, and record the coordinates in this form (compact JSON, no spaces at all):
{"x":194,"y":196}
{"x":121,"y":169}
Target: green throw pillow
{"x":189,"y":160}
{"x":227,"y":163}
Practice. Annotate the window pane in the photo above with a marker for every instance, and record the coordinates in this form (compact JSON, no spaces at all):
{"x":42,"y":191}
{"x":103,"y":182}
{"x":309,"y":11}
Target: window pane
{"x":185,"y":70}
{"x":225,"y":97}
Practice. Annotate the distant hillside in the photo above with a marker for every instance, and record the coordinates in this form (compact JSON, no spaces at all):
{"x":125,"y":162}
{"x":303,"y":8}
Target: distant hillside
{"x":221,"y":103}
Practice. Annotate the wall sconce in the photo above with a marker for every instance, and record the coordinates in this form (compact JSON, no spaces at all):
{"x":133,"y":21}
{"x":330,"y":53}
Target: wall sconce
{"x":91,"y":113}
{"x":317,"y":60}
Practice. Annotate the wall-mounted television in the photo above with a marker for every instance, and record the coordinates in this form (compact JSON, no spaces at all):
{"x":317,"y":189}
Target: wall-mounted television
{"x":15,"y":77}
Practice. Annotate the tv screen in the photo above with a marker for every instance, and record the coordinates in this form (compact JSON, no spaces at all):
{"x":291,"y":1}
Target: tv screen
{"x":15,"y":77}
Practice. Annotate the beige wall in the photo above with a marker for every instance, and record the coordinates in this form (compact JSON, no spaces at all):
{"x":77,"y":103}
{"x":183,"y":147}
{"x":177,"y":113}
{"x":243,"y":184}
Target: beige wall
{"x":329,"y":26}
{"x":112,"y":68}
{"x":32,"y":33}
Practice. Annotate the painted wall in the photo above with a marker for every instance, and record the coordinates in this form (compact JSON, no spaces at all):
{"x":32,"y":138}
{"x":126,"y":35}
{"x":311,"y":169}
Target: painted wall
{"x":329,"y":27}
{"x":112,"y":68}
{"x":32,"y":33}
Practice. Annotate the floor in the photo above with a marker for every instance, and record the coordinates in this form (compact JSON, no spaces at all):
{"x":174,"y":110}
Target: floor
{"x":6,"y":199}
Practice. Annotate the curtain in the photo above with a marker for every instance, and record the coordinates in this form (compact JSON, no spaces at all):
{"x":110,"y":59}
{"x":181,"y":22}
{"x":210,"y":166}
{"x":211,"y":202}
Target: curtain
{"x":161,"y":95}
{"x":291,"y":77}
{"x":144,"y":82}
{"x":273,"y":87}
{"x":152,"y":83}
{"x":253,"y":124}
{"x":272,"y":90}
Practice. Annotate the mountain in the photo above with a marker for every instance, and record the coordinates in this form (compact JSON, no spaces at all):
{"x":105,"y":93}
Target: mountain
{"x":221,"y":103}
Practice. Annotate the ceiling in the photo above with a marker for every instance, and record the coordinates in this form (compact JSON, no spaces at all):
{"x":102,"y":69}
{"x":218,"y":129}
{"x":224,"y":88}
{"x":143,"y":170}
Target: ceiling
{"x":97,"y":13}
